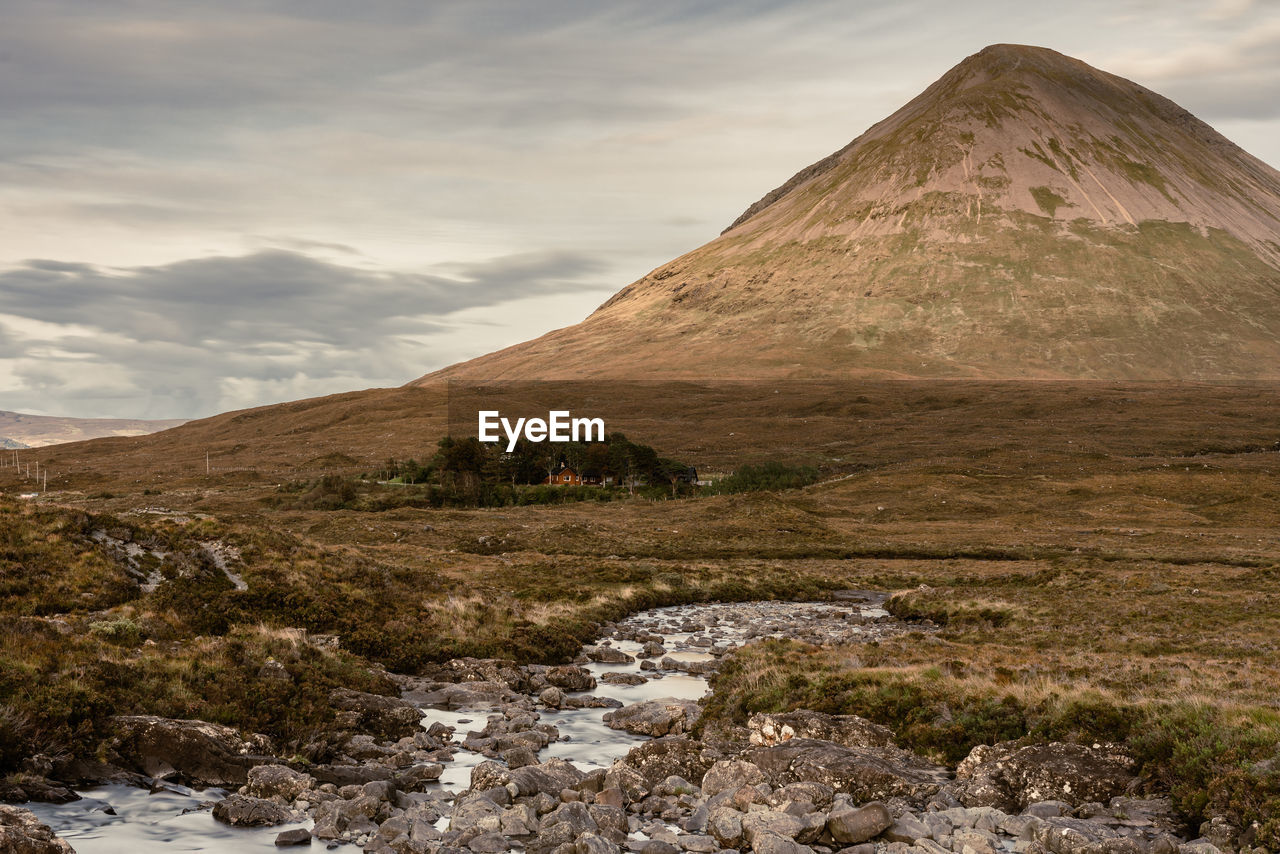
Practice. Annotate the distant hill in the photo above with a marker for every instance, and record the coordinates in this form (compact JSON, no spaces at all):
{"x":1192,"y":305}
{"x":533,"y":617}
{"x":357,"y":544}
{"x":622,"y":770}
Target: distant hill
{"x":18,"y":430}
{"x":1026,"y":217}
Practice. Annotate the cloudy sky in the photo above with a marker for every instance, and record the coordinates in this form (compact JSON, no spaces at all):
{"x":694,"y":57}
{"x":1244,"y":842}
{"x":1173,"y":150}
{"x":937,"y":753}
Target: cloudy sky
{"x":207,"y":206}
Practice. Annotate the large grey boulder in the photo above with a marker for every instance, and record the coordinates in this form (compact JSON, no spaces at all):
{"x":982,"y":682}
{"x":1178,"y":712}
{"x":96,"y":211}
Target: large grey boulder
{"x":22,"y":833}
{"x":729,"y":774}
{"x":277,"y":782}
{"x":245,"y":811}
{"x":667,"y":716}
{"x":386,"y":717}
{"x":669,"y":756}
{"x":1011,"y":778}
{"x":197,"y":753}
{"x":864,"y":773}
{"x":850,"y":825}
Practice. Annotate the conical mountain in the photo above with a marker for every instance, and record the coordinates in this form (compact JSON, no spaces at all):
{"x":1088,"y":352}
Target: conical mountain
{"x":1026,"y":216}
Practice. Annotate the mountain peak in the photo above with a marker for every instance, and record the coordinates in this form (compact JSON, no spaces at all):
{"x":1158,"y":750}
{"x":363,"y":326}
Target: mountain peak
{"x":1027,"y":215}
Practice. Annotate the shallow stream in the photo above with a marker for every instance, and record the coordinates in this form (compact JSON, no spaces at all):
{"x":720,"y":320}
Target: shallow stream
{"x":121,"y":819}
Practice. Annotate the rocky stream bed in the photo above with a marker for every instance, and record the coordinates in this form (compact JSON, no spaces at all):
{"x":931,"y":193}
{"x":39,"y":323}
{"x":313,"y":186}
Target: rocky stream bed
{"x":596,"y":757}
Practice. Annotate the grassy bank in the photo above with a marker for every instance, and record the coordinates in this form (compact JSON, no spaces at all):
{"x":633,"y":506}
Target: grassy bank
{"x":1178,"y":664}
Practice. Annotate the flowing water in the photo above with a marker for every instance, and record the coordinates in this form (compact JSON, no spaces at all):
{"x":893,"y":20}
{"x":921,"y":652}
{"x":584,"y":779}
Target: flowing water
{"x":121,"y":819}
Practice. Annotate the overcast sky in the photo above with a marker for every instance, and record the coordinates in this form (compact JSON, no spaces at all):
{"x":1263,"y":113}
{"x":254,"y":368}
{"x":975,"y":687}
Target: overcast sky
{"x":207,"y":206}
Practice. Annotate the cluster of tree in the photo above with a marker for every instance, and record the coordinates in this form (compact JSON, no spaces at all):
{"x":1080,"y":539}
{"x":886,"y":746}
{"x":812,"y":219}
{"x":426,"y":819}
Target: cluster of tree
{"x":766,"y":477}
{"x":469,"y":462}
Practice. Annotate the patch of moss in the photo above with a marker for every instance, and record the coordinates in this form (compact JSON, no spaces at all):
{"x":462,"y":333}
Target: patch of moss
{"x":1048,"y":201}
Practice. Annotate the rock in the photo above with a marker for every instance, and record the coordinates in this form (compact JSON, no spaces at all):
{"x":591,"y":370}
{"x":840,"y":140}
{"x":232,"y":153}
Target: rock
{"x":297,"y":836}
{"x":769,"y":843}
{"x":618,"y":678}
{"x":386,"y":717}
{"x":519,"y":820}
{"x":551,"y":697}
{"x":1220,"y":832}
{"x":607,"y":655}
{"x":519,"y":757}
{"x":694,"y":668}
{"x":678,"y":756}
{"x":611,"y":821}
{"x":197,"y":753}
{"x":500,"y":670}
{"x":22,"y":833}
{"x":629,"y":780}
{"x":591,"y":843}
{"x":1047,"y":809}
{"x":851,"y":825}
{"x":725,"y":824}
{"x":1064,"y":835}
{"x":658,"y":846}
{"x":907,"y":828}
{"x":667,"y":716}
{"x":754,"y":824}
{"x":817,"y":794}
{"x":1010,"y":777}
{"x":611,"y":797}
{"x":653,"y":649}
{"x":469,"y":811}
{"x":548,"y":778}
{"x":489,"y":843}
{"x":415,"y":777}
{"x":730,"y":774}
{"x":863,"y":773}
{"x":277,"y":782}
{"x":351,"y":775}
{"x":575,"y":814}
{"x":244,"y":811}
{"x":846,"y":730}
{"x":571,"y":677}
{"x":698,"y":843}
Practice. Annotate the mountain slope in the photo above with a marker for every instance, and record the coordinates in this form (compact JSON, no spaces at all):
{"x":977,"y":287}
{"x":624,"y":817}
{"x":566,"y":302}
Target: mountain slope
{"x":1027,"y":216}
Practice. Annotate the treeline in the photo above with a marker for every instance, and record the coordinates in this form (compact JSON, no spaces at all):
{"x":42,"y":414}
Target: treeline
{"x":469,"y":473}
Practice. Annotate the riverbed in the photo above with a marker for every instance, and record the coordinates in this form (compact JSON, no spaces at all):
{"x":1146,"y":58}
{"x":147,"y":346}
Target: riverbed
{"x":121,"y":819}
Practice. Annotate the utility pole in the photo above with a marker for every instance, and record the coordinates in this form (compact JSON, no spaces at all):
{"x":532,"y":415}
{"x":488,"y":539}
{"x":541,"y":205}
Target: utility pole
{"x":206,"y":462}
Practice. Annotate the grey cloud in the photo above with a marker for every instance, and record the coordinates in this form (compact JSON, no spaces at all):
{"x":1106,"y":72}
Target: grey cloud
{"x":204,"y":335}
{"x":275,"y":296}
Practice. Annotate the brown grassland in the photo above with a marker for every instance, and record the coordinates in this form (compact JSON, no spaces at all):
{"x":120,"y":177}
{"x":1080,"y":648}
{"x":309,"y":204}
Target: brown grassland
{"x":1103,"y":560}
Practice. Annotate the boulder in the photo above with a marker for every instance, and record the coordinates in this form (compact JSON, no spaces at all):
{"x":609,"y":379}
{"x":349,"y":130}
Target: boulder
{"x":864,"y":773}
{"x":297,"y":836}
{"x":549,"y":778}
{"x":729,"y":774}
{"x":606,"y":655}
{"x":244,"y":811}
{"x":756,"y":824}
{"x":725,"y":824}
{"x":676,"y":755}
{"x":197,"y":753}
{"x":500,"y":670}
{"x":851,"y":825}
{"x":374,"y":714}
{"x":846,"y":730}
{"x":1011,"y":778}
{"x":277,"y":782}
{"x":667,"y":716}
{"x":571,"y":677}
{"x":22,"y":833}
